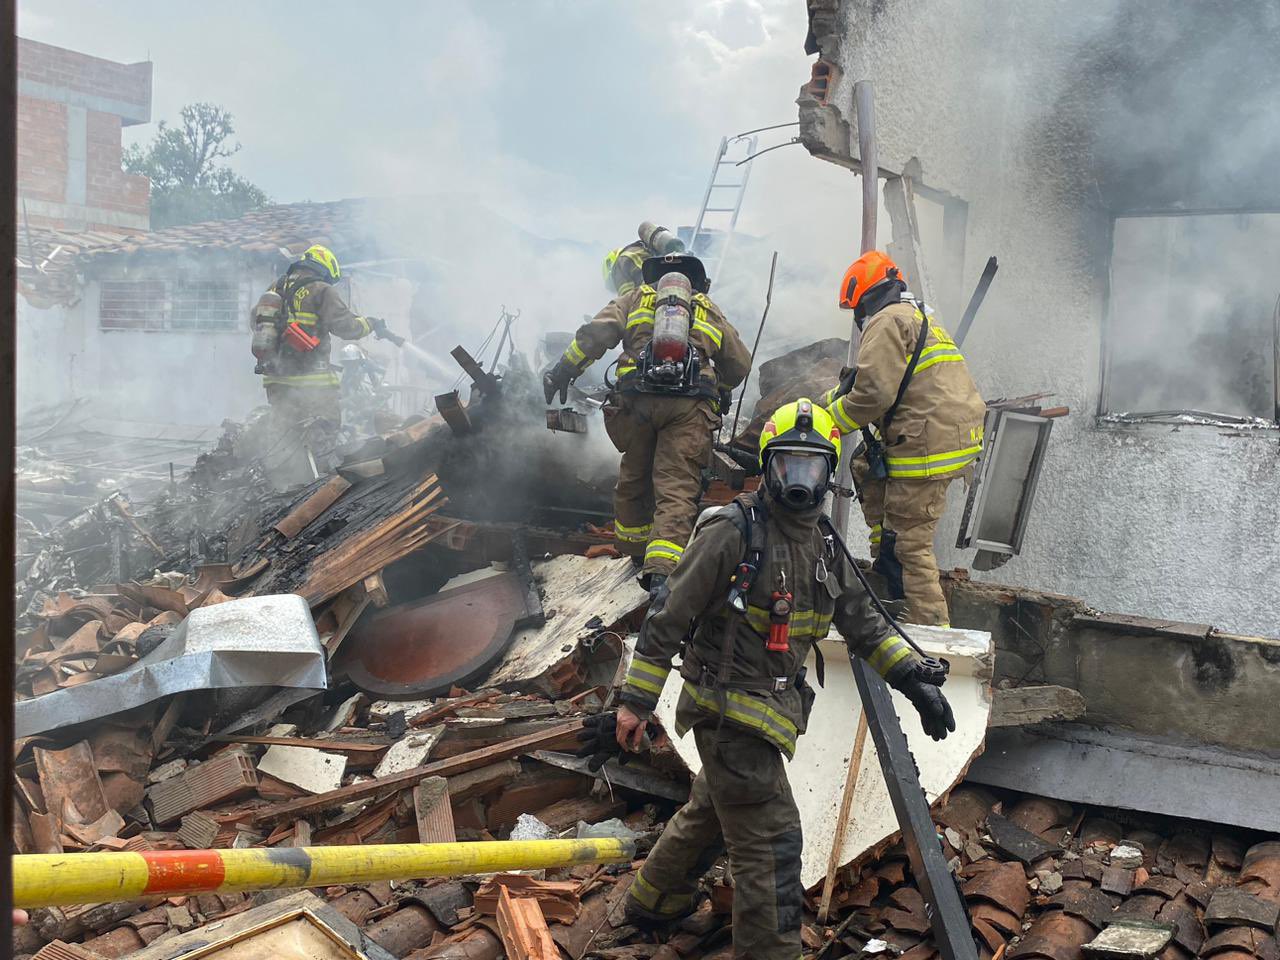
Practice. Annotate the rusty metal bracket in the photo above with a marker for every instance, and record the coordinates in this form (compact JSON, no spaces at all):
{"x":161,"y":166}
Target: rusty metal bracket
{"x":948,"y":915}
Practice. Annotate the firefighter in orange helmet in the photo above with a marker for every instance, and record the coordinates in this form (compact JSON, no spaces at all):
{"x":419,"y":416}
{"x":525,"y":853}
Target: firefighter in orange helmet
{"x":921,"y":418}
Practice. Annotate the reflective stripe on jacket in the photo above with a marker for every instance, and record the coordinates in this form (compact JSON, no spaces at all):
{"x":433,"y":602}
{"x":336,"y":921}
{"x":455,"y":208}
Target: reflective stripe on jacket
{"x":937,"y":429}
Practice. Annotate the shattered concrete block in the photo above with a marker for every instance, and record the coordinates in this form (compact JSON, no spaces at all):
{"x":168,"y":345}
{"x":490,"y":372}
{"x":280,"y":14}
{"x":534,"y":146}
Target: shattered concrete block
{"x":1126,"y":855}
{"x":228,"y":775}
{"x":1050,"y":881}
{"x":304,"y":767}
{"x":1129,"y":939}
{"x":409,"y":751}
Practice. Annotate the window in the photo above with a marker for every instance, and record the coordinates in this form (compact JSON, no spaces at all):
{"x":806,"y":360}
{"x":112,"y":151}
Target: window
{"x":177,"y":304}
{"x":1193,"y":319}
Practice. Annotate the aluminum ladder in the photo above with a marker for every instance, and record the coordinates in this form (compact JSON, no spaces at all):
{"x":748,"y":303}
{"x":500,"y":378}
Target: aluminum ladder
{"x":722,"y":202}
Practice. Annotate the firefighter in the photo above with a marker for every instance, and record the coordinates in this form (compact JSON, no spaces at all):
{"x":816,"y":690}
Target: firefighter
{"x":293,"y":324}
{"x":744,"y":694}
{"x":664,"y":410}
{"x":623,"y":268}
{"x":921,"y":417}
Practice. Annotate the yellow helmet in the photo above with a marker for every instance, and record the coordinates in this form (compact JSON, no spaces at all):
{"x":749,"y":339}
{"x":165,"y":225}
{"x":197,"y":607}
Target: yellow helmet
{"x":607,"y":267}
{"x":323,"y":258}
{"x":791,"y":443}
{"x":801,"y":425}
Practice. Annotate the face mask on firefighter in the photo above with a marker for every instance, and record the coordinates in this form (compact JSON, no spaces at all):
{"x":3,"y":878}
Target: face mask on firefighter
{"x":798,"y":479}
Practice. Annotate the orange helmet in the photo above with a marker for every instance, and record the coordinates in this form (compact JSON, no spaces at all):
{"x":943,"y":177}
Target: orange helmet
{"x":864,"y":273}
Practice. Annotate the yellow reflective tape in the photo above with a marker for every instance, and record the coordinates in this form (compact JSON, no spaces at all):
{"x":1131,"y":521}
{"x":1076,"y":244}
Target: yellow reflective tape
{"x":889,"y":652}
{"x":645,"y":892}
{"x":712,"y":333}
{"x":317,"y":379}
{"x":639,"y":316}
{"x":625,"y":287}
{"x":632,"y":534}
{"x":937,"y":457}
{"x":845,"y":422}
{"x":645,"y":685}
{"x":665,"y":545}
{"x":574,"y":353}
{"x":940,"y":358}
{"x":655,"y":900}
{"x":750,"y":713}
{"x":653,"y":670}
{"x":367,"y":327}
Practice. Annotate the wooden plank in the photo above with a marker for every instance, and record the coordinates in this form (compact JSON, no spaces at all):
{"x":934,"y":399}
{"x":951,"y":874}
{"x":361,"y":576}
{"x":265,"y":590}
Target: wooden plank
{"x":376,"y":589}
{"x":523,"y":928}
{"x":1035,"y":704}
{"x":312,"y":507}
{"x":545,"y":739}
{"x":846,"y":810}
{"x":904,"y":248}
{"x":433,"y":811}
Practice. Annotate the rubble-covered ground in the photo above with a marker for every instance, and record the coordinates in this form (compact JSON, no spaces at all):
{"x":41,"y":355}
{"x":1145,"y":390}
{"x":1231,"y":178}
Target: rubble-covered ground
{"x":435,"y":506}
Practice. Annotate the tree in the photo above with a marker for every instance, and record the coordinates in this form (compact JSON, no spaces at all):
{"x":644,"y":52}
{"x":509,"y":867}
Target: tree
{"x":188,"y":184}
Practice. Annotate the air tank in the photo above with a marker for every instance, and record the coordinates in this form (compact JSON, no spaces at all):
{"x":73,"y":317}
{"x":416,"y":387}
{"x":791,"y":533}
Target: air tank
{"x":671,"y":318}
{"x":266,"y":334}
{"x":659,"y":240}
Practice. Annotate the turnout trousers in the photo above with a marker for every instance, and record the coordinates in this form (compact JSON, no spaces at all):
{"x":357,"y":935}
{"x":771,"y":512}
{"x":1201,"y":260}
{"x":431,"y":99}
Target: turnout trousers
{"x":665,"y":444}
{"x":741,"y":803}
{"x":303,"y":425}
{"x":903,"y":518}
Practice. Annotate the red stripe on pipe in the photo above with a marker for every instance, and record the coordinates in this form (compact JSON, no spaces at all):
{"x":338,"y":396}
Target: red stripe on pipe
{"x":171,"y":871}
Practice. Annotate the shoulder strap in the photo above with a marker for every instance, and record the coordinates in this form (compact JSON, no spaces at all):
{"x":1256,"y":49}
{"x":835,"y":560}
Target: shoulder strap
{"x":906,"y":377}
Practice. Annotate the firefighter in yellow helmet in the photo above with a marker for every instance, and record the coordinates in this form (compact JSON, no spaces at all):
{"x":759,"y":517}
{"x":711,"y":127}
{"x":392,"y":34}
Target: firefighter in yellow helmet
{"x":623,"y":268}
{"x":293,"y":324}
{"x":921,"y":416}
{"x":758,"y":586}
{"x":680,"y":360}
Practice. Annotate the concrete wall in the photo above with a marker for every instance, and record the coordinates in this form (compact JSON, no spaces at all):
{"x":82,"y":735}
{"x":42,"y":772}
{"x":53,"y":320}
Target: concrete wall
{"x":70,"y":110}
{"x":1167,"y":522}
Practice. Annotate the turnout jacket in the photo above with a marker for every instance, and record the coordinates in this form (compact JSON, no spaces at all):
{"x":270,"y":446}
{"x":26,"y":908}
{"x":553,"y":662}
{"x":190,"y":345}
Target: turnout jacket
{"x":320,"y":310}
{"x":764,"y":692}
{"x":937,"y":429}
{"x":628,"y":320}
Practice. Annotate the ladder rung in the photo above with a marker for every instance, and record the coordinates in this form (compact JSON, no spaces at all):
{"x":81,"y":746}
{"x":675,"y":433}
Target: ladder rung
{"x":719,"y":209}
{"x":724,"y":186}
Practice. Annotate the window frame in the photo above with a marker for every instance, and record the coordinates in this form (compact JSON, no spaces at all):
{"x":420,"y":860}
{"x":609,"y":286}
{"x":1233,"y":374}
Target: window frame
{"x":1194,"y":418}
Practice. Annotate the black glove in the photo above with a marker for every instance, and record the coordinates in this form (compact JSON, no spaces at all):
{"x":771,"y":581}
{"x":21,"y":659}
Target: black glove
{"x":935,"y":713}
{"x":600,"y":741}
{"x":558,"y":378}
{"x":382,"y":332}
{"x":726,"y":402}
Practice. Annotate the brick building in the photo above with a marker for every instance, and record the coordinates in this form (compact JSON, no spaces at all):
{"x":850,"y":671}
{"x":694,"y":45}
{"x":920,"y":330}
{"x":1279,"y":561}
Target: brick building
{"x":71,"y":108}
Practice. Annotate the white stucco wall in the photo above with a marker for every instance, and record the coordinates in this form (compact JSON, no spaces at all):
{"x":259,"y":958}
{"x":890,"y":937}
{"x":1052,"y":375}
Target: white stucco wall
{"x":1178,"y":523}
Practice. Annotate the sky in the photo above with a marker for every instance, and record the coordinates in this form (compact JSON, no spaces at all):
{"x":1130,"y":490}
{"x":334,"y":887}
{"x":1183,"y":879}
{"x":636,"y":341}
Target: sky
{"x":576,"y":119}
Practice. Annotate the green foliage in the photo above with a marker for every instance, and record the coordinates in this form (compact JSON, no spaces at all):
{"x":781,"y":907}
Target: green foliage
{"x":188,"y":184}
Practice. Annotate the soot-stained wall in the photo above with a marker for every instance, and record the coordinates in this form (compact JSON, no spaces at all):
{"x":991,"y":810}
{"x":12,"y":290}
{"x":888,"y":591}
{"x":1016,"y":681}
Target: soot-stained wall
{"x":1003,"y":104}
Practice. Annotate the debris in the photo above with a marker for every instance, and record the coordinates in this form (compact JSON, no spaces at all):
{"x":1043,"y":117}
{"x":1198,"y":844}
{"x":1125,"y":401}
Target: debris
{"x":1035,"y":704}
{"x":260,"y":642}
{"x":1020,"y":844}
{"x":408,"y":752}
{"x":1118,"y":880}
{"x":558,"y":899}
{"x":1228,"y":907}
{"x":426,"y":647}
{"x":433,"y":811}
{"x":1129,"y":938}
{"x":632,"y":775}
{"x":1050,"y":881}
{"x":229,"y":775}
{"x":567,"y":420}
{"x":1126,"y":856}
{"x":198,"y":831}
{"x":298,"y":519}
{"x":523,"y":928}
{"x":614,"y":828}
{"x":529,"y":827}
{"x":313,"y":770}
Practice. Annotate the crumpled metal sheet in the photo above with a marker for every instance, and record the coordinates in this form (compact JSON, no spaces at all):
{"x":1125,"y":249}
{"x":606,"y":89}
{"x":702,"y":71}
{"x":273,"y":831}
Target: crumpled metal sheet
{"x":239,"y":645}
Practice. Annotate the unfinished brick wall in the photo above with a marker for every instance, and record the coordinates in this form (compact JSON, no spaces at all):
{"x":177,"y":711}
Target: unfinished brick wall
{"x":71,"y":110}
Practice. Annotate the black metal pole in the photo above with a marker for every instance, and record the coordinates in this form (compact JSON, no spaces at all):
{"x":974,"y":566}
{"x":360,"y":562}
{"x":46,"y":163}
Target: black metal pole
{"x":975,"y":301}
{"x":948,"y":915}
{"x":768,"y":299}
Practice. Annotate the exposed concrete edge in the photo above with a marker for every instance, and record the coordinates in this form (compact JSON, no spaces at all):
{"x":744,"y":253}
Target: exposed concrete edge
{"x":1113,"y":769}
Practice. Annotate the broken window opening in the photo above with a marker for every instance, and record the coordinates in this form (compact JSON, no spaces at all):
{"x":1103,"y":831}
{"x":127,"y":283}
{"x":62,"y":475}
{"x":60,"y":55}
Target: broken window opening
{"x":179,"y":304}
{"x":1192,"y":331}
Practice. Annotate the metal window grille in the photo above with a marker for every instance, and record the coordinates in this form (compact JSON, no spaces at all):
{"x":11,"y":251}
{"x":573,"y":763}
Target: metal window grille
{"x":133,"y":305}
{"x":179,"y":304}
{"x":204,"y":305}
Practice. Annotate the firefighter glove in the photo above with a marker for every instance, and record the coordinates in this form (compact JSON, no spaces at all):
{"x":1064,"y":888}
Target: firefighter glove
{"x":935,"y":713}
{"x":599,"y":740}
{"x":558,"y":378}
{"x":726,"y":402}
{"x":382,"y":331}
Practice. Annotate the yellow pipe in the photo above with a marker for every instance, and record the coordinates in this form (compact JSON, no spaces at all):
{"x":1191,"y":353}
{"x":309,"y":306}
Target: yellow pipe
{"x":46,"y":880}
